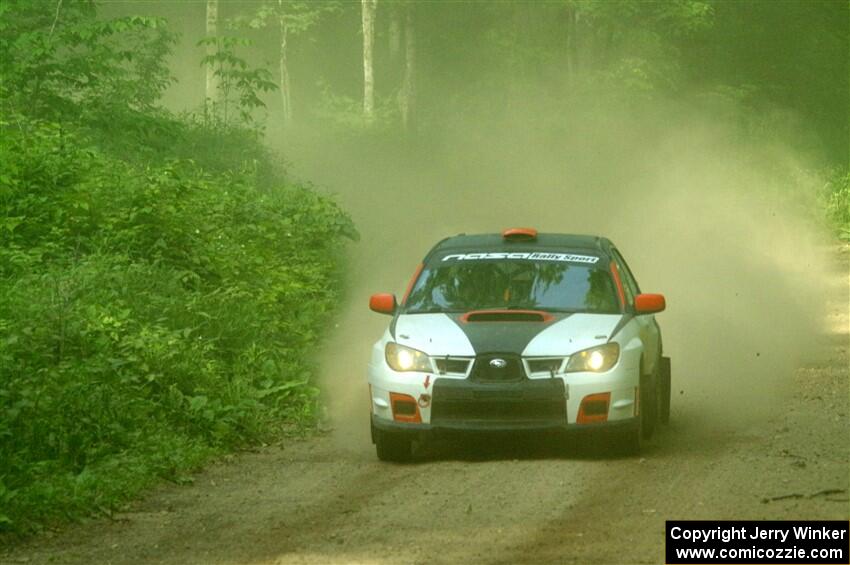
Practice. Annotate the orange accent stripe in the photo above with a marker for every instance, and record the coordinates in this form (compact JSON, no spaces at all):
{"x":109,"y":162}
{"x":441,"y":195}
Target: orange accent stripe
{"x":412,"y":282}
{"x":411,"y":418}
{"x":620,"y":293}
{"x":583,"y":418}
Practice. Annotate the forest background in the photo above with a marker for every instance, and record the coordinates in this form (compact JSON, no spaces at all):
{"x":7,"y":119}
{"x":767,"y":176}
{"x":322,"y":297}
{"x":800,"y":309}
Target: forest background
{"x":164,"y":272}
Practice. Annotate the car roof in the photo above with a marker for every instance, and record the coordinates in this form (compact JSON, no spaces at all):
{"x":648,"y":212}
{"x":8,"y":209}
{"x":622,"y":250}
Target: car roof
{"x":544,"y":241}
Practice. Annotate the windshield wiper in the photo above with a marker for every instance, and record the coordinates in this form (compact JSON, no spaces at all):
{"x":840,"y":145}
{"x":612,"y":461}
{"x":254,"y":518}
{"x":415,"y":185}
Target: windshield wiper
{"x":541,"y":309}
{"x":439,"y":310}
{"x":434,"y":310}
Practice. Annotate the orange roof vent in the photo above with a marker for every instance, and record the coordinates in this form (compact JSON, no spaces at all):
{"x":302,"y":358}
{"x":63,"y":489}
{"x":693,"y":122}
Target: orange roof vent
{"x":519,"y":234}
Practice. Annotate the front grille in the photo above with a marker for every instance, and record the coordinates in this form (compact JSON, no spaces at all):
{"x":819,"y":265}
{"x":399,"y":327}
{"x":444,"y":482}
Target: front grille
{"x":456,"y":366}
{"x":497,"y":367}
{"x":545,"y":366}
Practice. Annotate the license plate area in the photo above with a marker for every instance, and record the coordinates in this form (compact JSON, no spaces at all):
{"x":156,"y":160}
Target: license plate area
{"x":523,"y":401}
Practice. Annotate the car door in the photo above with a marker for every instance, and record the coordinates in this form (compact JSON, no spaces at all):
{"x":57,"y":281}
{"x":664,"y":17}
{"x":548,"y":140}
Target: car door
{"x":647,"y":327}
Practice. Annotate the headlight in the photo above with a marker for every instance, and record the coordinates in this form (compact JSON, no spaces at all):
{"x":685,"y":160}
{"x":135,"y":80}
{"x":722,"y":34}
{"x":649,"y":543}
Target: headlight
{"x":596,"y":359}
{"x":402,"y":358}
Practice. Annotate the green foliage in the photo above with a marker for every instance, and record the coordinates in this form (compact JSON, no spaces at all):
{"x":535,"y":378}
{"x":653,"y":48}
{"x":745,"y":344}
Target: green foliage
{"x":790,"y":56}
{"x":238,"y":86}
{"x":344,"y":114}
{"x":784,"y":63}
{"x":65,"y":60}
{"x":295,"y":16}
{"x":160,"y":284}
{"x":149,"y":316}
{"x":674,"y":18}
{"x":630,"y":48}
{"x":836,"y":201}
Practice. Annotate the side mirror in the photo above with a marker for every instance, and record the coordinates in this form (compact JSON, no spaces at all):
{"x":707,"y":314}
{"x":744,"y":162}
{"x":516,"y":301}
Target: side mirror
{"x":382,"y":303}
{"x":649,"y":303}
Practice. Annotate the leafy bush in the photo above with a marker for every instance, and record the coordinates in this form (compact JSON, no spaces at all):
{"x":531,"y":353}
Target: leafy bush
{"x":150,"y":315}
{"x":160,"y":285}
{"x":68,"y":61}
{"x":239,"y":84}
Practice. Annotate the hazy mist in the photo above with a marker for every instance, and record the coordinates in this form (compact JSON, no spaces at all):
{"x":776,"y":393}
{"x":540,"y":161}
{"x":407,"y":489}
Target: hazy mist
{"x":702,"y":212}
{"x":699,"y":217}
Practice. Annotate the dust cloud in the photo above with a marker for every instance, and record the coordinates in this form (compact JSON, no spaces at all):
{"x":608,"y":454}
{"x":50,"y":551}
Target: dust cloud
{"x":701,"y":216}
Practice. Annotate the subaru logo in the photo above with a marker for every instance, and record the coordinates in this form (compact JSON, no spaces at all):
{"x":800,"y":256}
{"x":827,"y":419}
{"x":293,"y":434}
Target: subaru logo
{"x":498,"y":363}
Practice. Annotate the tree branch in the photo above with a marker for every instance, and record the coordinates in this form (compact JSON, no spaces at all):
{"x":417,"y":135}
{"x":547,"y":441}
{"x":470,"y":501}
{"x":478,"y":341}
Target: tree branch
{"x":55,"y":18}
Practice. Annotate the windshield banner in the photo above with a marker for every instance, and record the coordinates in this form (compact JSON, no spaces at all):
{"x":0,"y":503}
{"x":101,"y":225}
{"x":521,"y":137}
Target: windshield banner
{"x":565,"y":257}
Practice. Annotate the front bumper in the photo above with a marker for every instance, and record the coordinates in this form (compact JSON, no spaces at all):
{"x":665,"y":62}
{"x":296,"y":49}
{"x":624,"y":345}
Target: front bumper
{"x":533,"y":402}
{"x":422,"y":431}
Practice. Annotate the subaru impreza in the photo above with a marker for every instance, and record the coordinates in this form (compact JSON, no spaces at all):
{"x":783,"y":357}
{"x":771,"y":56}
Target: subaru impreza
{"x":519,"y":331}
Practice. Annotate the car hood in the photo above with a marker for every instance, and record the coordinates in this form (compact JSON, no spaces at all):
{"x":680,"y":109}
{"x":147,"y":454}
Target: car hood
{"x":448,"y":334}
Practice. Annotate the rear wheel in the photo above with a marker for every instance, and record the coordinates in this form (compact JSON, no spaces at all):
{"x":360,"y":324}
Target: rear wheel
{"x":392,"y":447}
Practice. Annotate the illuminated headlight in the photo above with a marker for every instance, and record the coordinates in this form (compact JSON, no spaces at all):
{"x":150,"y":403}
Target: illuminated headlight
{"x":401,"y":358}
{"x":596,"y":359}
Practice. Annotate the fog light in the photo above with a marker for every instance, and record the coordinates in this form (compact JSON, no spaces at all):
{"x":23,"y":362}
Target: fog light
{"x":594,"y":408}
{"x":404,"y":408}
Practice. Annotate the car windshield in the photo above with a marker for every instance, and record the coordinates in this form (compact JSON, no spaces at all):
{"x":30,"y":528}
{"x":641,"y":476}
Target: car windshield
{"x":558,"y":286}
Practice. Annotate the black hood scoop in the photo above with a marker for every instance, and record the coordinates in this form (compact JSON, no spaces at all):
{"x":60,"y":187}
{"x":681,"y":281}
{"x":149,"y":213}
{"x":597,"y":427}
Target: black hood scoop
{"x":506,"y":316}
{"x":503,"y":331}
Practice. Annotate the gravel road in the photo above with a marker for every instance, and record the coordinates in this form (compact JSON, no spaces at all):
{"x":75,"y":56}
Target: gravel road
{"x":326,"y":499}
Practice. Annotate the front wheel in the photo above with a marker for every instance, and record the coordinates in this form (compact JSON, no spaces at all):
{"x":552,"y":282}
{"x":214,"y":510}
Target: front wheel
{"x":393,"y":447}
{"x":630,"y":440}
{"x":650,"y":401}
{"x":666,"y":390}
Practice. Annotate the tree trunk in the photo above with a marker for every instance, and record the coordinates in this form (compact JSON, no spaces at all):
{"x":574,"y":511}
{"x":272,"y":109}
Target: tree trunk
{"x":408,"y":89}
{"x":285,"y":98}
{"x":211,"y":90}
{"x":394,"y":32}
{"x":572,"y":28}
{"x":368,"y":14}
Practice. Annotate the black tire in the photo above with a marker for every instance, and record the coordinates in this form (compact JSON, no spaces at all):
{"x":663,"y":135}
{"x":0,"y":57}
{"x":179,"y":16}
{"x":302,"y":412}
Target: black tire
{"x":666,"y":386}
{"x":649,"y":400}
{"x":392,"y":447}
{"x":629,"y":442}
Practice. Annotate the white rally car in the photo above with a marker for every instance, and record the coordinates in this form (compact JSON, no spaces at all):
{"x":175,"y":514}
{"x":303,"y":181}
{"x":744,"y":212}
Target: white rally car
{"x":519,"y":331}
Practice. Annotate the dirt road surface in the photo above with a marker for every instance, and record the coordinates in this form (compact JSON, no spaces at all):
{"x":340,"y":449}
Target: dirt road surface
{"x":326,"y":499}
